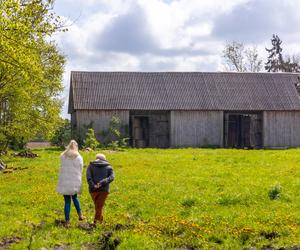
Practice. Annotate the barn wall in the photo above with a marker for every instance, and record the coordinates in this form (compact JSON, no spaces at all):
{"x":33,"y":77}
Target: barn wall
{"x":196,"y":128}
{"x":281,"y":129}
{"x":99,"y":120}
{"x":73,"y":123}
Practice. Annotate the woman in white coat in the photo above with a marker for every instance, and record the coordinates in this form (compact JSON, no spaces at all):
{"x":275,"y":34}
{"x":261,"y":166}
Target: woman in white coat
{"x":69,"y":181}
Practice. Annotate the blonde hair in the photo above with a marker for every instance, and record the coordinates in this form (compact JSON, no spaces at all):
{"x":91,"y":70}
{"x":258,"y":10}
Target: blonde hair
{"x":100,"y":156}
{"x":71,"y":150}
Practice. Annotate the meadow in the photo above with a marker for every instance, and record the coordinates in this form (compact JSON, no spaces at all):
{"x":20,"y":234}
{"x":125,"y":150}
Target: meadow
{"x":160,"y":199}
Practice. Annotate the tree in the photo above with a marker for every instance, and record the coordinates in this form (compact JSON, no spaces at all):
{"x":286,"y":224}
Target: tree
{"x":253,"y":61}
{"x":292,"y":63}
{"x":62,"y":135}
{"x":241,"y":59}
{"x":31,"y":69}
{"x":276,"y":63}
{"x":297,"y":84}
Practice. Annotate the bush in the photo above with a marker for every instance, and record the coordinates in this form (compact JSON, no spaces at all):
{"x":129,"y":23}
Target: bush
{"x":123,"y":143}
{"x":275,"y":192}
{"x":90,"y":140}
{"x":114,"y":134}
{"x":114,"y":129}
{"x":114,"y":145}
{"x":17,"y":144}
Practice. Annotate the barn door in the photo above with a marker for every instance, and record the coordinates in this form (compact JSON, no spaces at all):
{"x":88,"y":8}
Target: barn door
{"x":238,"y":135}
{"x":245,"y":121}
{"x":140,"y":131}
{"x":256,"y":131}
{"x":242,"y":130}
{"x":232,"y":133}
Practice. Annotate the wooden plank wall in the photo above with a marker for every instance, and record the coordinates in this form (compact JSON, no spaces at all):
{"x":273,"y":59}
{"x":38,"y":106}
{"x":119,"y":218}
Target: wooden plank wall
{"x":73,"y":124}
{"x":281,"y":129}
{"x":99,"y":119}
{"x":196,"y":128}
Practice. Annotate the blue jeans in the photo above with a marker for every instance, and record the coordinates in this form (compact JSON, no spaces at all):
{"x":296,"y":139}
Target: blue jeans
{"x":68,"y":205}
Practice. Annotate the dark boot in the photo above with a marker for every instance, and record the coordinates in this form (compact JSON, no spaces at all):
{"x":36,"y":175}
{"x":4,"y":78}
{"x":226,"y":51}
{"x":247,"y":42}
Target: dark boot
{"x":81,"y":217}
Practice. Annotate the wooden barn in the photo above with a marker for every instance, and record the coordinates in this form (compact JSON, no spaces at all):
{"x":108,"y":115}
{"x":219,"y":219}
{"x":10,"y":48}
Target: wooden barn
{"x":189,"y":109}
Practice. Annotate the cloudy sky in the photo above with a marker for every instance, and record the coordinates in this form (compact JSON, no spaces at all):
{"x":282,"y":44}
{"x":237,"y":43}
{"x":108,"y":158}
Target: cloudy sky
{"x":169,"y":35}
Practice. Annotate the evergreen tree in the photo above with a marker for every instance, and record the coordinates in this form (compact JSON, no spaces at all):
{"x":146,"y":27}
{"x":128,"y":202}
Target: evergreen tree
{"x":275,"y":61}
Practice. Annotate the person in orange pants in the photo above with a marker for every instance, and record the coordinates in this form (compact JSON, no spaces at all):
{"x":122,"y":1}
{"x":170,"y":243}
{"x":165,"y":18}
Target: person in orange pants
{"x":99,"y":201}
{"x":99,"y":175}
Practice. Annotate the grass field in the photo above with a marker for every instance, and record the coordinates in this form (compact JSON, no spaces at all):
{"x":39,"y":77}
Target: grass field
{"x":160,"y":199}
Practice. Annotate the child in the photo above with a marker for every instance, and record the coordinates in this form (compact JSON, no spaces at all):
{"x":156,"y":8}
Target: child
{"x":99,"y":175}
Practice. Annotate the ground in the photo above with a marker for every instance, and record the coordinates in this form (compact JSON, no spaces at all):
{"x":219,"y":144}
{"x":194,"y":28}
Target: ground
{"x":161,"y":199}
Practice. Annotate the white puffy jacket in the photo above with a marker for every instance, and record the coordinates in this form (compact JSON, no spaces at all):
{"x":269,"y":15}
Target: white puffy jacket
{"x":69,"y":181}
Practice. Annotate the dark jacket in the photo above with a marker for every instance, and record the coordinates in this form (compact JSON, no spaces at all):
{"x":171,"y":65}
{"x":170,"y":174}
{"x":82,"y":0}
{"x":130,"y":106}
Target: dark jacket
{"x":99,"y":171}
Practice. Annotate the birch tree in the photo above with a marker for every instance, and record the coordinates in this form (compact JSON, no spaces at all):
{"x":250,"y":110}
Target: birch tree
{"x":239,"y":58}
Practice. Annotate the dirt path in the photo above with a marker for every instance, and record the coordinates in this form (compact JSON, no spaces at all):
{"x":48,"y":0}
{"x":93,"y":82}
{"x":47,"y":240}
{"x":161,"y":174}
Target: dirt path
{"x":38,"y":144}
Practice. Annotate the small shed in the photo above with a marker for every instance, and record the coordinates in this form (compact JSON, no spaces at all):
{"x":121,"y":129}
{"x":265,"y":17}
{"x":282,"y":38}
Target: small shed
{"x":189,"y":109}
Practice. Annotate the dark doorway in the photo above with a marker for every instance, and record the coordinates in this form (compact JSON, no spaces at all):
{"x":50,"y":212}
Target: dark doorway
{"x":149,"y":129}
{"x":140,"y":132}
{"x":243,"y":130}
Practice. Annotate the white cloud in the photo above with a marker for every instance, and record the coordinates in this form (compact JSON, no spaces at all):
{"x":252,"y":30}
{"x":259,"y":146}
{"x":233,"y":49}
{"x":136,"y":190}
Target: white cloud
{"x":181,"y":35}
{"x":182,"y":26}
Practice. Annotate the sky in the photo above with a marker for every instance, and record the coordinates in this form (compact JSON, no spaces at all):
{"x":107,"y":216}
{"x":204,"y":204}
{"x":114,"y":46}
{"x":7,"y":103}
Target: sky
{"x":169,"y":35}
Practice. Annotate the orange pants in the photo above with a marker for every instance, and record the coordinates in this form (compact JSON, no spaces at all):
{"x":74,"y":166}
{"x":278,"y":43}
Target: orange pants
{"x":99,"y":201}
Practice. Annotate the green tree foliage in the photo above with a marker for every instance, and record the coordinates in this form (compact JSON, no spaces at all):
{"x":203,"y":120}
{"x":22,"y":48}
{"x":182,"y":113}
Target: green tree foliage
{"x":90,"y":140}
{"x":241,"y":59}
{"x":114,"y":128}
{"x":31,"y":69}
{"x":62,"y":134}
{"x":276,"y":61}
{"x":115,"y":135}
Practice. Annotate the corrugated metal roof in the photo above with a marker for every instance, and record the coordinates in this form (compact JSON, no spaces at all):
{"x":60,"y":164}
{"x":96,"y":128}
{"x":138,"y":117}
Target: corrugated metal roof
{"x":183,"y":91}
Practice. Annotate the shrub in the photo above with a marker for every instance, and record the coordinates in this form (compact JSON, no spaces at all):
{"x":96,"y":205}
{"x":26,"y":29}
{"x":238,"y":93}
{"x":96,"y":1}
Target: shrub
{"x":17,"y":144}
{"x":115,"y":128}
{"x":113,"y":145}
{"x":123,"y":143}
{"x":90,"y":140}
{"x":114,"y":134}
{"x":274,"y":192}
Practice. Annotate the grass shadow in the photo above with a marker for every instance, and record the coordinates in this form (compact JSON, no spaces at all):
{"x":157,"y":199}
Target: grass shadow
{"x":50,"y":149}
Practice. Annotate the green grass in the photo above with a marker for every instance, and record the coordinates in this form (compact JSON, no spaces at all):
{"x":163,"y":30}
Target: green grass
{"x":162,"y":199}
